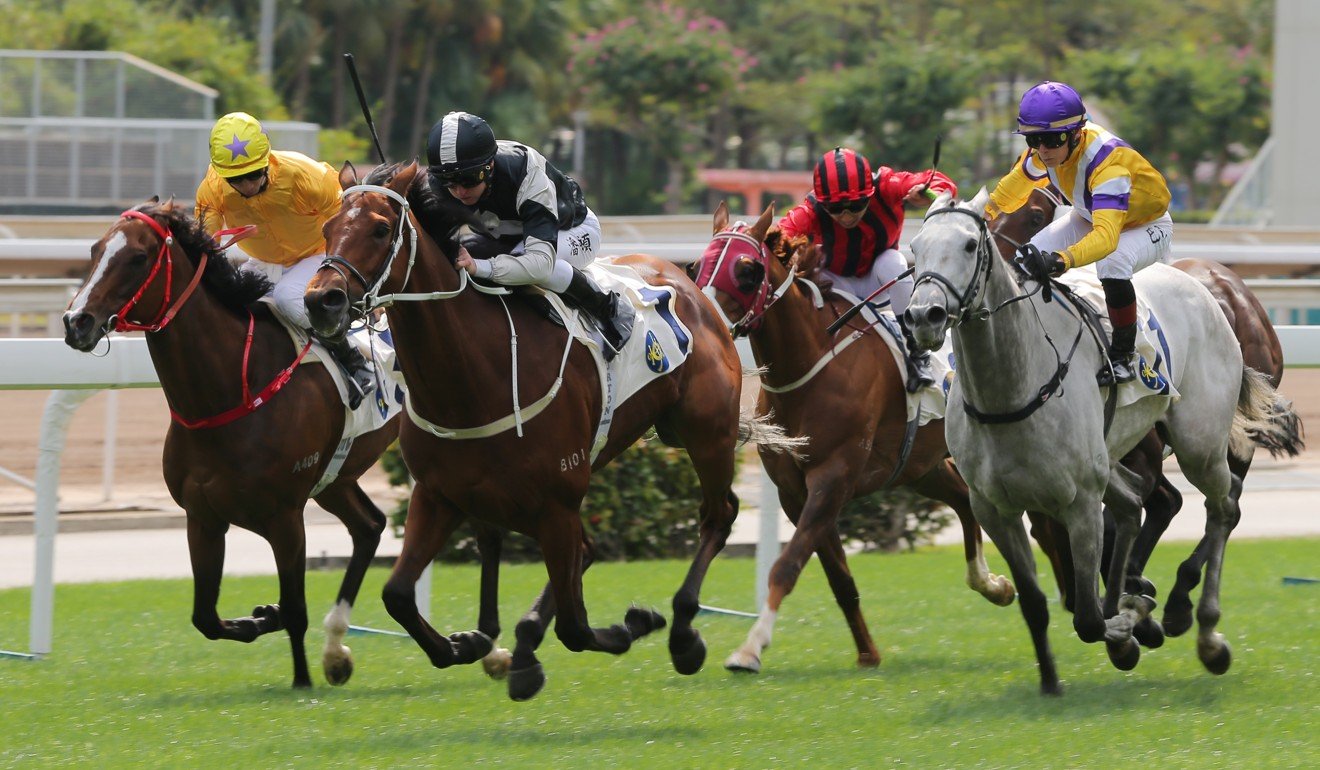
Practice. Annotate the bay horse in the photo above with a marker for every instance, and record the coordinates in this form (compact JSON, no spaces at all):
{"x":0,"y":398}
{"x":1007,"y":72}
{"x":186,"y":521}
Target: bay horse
{"x":1050,"y":448}
{"x":1260,"y":350}
{"x":851,"y":411}
{"x":453,"y":346}
{"x":231,"y":458}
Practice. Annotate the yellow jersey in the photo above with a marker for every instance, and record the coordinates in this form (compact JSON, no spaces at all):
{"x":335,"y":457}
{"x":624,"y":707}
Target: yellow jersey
{"x":300,"y":196}
{"x":1108,"y":182}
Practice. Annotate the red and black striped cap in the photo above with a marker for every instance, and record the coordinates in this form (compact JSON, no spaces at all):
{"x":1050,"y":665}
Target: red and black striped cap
{"x":843,"y":175}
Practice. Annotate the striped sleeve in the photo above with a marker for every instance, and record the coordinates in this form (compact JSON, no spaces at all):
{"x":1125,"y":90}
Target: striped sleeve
{"x":1015,"y":187}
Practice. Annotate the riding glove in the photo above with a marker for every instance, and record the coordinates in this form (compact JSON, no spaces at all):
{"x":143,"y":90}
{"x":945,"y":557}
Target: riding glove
{"x":1042,"y":265}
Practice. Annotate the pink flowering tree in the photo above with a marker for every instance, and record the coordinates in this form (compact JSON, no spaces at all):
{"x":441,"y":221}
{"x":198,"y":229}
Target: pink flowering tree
{"x":659,"y":76}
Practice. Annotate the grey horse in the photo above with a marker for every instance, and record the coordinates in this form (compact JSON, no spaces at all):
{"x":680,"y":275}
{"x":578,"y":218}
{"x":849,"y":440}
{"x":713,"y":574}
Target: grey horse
{"x":1026,"y":436}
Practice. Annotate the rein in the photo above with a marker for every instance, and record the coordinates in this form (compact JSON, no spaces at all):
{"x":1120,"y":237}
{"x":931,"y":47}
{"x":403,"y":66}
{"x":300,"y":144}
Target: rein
{"x":984,"y":263}
{"x":372,"y":299}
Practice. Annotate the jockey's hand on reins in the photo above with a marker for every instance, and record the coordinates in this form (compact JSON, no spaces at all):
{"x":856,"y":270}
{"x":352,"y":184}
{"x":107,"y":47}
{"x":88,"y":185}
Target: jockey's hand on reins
{"x":1041,"y":266}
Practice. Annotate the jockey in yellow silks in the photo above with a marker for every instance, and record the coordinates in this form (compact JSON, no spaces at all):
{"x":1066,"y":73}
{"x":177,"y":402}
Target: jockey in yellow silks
{"x":289,"y":197}
{"x":1120,"y":218}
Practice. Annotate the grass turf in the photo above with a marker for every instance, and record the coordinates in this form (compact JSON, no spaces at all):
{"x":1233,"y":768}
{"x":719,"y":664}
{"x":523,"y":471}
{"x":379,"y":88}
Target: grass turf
{"x":131,"y":684}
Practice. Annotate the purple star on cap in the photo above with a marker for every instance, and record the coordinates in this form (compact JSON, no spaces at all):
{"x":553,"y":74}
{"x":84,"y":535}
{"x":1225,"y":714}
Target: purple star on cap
{"x":238,"y":147}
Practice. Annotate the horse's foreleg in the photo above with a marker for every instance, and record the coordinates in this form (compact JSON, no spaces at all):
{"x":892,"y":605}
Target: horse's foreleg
{"x":206,"y":551}
{"x":1084,"y":525}
{"x":1161,"y":505}
{"x":826,"y":492}
{"x":288,"y":540}
{"x":835,"y":563}
{"x":1010,"y":536}
{"x":365,"y":523}
{"x":1126,"y":615}
{"x":430,"y":524}
{"x":944,"y":484}
{"x":1053,"y":540}
{"x":490,"y":544}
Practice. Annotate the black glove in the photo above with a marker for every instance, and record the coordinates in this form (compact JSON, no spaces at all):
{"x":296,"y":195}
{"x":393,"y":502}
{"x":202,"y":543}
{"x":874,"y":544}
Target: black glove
{"x":1041,"y":265}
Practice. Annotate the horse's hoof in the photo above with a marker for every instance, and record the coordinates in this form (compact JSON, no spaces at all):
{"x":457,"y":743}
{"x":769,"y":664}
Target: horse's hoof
{"x":497,"y":663}
{"x":470,"y":646}
{"x":1004,"y":592}
{"x":338,"y":671}
{"x":525,"y":683}
{"x":1215,"y":655}
{"x":1124,"y":655}
{"x":690,"y":660}
{"x":1140,"y":585}
{"x":1177,"y":622}
{"x":867,"y":660}
{"x":641,"y":621}
{"x":1148,"y":633}
{"x":743,"y":663}
{"x":302,"y":684}
{"x":1052,"y":689}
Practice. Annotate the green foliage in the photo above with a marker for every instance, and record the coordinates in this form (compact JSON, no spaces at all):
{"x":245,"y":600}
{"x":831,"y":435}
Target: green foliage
{"x":338,"y":145}
{"x":890,"y":520}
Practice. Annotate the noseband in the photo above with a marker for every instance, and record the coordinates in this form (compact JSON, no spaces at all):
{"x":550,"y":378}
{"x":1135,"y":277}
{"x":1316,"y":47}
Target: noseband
{"x":970,"y":294}
{"x":736,"y":245}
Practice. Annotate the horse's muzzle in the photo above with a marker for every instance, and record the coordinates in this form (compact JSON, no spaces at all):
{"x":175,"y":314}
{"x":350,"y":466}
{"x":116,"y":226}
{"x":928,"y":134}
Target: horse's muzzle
{"x":81,"y":330}
{"x":928,"y":321}
{"x":327,"y":310}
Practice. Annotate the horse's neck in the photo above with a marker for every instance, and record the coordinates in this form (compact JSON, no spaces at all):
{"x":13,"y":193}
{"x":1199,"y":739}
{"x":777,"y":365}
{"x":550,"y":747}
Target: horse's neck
{"x":199,"y":355}
{"x":1004,"y":359}
{"x":792,"y":334}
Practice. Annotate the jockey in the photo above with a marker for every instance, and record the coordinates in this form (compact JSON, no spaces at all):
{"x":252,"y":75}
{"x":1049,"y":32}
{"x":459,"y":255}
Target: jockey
{"x":857,"y":217}
{"x":538,"y":227}
{"x":1120,"y":218}
{"x":289,"y":197}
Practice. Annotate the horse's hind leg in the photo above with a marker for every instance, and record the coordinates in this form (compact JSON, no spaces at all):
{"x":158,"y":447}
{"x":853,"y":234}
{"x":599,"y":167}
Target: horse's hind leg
{"x":943,"y":483}
{"x":1221,"y":517}
{"x":1010,"y":536}
{"x":288,"y":540}
{"x":430,"y":523}
{"x":835,"y":563}
{"x":365,"y":523}
{"x":1178,"y":608}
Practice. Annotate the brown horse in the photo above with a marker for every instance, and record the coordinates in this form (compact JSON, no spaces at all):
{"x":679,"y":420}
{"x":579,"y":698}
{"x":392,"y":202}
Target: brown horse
{"x":454,"y":353}
{"x":1260,"y":350}
{"x":852,"y":412}
{"x":261,"y":456}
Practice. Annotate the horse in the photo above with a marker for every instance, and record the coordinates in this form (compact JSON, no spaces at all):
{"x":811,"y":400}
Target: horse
{"x":231,"y":458}
{"x":1260,"y":350}
{"x":1054,"y":448}
{"x":526,"y":471}
{"x":850,"y":409}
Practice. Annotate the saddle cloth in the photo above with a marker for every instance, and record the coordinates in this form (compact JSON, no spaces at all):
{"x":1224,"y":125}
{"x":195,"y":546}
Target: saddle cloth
{"x":1152,"y":347}
{"x":659,"y":344}
{"x":381,"y":405}
{"x":930,"y":399}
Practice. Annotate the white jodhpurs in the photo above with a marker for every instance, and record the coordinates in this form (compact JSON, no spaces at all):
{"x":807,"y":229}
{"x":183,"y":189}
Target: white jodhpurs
{"x":290,"y":286}
{"x":1137,"y":249}
{"x":888,"y":265}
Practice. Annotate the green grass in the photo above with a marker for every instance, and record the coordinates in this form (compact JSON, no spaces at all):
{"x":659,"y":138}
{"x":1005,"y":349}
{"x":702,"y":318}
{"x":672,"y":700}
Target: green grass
{"x":131,"y":684}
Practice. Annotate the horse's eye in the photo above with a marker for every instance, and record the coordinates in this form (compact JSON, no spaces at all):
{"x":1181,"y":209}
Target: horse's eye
{"x":138,"y":258}
{"x":970,"y":246}
{"x":382,"y":230}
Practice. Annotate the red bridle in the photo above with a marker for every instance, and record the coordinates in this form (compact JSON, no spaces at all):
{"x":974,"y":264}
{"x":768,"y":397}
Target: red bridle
{"x":163,"y":257}
{"x":718,"y":270}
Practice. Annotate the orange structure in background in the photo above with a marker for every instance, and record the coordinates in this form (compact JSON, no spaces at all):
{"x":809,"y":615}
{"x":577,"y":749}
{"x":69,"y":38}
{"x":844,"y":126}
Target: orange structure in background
{"x":752,"y":184}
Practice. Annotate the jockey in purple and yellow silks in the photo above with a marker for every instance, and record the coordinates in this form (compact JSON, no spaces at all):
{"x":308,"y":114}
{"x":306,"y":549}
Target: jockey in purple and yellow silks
{"x":1120,"y":218}
{"x":289,"y":197}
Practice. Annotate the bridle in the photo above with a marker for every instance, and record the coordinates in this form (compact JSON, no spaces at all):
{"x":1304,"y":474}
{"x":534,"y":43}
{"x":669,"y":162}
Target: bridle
{"x":371,"y":297}
{"x":717,"y":273}
{"x":164,"y":258}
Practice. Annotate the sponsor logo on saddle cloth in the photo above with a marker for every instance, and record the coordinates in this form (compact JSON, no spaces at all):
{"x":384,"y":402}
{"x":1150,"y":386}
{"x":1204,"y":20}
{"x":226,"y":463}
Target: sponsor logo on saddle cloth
{"x":1152,"y":348}
{"x":659,"y":344}
{"x":928,"y":402}
{"x":382,"y":404}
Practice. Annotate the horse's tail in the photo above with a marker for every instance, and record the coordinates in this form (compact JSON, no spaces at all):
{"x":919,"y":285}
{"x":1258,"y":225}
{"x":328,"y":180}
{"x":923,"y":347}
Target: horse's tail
{"x":1264,"y":419}
{"x":762,"y":431}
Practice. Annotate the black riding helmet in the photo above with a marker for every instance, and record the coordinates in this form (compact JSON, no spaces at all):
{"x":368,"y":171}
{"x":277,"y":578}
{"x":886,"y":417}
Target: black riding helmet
{"x":459,"y":148}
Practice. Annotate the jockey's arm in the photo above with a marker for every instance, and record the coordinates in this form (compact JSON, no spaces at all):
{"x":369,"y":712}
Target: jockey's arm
{"x":207,"y":208}
{"x":1017,"y":185}
{"x":532,"y":266}
{"x":1111,"y":189}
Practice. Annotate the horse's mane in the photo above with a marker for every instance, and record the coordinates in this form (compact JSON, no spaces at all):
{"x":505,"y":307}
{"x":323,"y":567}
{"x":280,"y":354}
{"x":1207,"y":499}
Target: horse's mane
{"x":439,"y":214}
{"x":233,"y":287}
{"x":783,"y":246}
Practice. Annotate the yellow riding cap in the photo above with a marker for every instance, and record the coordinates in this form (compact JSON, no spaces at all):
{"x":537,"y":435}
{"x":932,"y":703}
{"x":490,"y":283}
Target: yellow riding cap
{"x":238,"y":145}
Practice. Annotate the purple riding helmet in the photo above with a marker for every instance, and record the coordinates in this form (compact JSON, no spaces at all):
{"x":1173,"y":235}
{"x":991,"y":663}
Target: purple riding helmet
{"x":1050,"y":106}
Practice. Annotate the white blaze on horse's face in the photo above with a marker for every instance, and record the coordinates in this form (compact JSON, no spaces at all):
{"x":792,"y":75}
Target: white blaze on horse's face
{"x":113,"y":245}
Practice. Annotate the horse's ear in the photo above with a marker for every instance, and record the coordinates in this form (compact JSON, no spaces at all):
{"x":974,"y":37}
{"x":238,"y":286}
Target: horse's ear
{"x":403,"y":179}
{"x":762,"y":225}
{"x":942,"y":201}
{"x":154,"y":199}
{"x":979,"y":202}
{"x":347,"y":175}
{"x":169,"y":204}
{"x":721,"y":218}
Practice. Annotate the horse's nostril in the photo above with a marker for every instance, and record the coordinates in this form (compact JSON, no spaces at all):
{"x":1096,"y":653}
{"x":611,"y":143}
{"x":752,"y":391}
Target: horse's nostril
{"x":334,"y":299}
{"x":937,"y":315}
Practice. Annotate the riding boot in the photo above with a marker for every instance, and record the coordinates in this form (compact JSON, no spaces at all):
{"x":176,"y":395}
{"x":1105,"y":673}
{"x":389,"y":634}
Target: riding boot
{"x":361,"y":380}
{"x":1121,"y":300}
{"x":612,"y":312}
{"x":919,"y":374}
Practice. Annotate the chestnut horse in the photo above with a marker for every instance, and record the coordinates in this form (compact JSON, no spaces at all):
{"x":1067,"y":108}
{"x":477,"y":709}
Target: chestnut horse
{"x":248,"y":461}
{"x":852,"y":412}
{"x":454,"y":346}
{"x":1260,"y":350}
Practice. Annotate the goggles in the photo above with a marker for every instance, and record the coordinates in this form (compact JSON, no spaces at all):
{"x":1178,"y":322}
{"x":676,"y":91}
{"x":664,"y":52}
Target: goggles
{"x":838,"y":208}
{"x":465,"y":179}
{"x":1050,"y":140}
{"x":251,"y":176}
